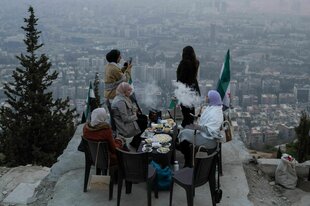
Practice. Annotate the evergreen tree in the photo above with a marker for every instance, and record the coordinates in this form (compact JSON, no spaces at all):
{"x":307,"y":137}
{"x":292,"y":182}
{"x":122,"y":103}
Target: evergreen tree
{"x":302,"y":132}
{"x":96,"y":89}
{"x":36,"y":128}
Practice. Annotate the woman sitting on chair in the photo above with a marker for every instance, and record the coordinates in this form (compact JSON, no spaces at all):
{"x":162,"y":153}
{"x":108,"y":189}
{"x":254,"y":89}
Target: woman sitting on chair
{"x":208,"y":128}
{"x":100,"y":130}
{"x":125,"y":114}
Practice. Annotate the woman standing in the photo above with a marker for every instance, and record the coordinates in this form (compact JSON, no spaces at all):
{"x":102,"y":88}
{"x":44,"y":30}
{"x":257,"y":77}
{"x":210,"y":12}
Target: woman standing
{"x":187,"y":74}
{"x":208,"y":128}
{"x":114,"y":75}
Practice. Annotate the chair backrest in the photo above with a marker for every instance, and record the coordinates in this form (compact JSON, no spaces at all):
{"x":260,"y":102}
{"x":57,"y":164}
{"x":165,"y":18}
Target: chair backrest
{"x":133,"y":166}
{"x":111,"y":115}
{"x":203,"y":167}
{"x":174,"y":132}
{"x":99,"y":151}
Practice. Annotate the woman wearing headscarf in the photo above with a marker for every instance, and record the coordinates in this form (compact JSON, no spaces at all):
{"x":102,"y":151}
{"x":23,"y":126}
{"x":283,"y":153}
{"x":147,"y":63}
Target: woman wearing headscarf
{"x":114,"y":75}
{"x":208,"y":127}
{"x":187,"y":72}
{"x":98,"y":129}
{"x":124,"y":113}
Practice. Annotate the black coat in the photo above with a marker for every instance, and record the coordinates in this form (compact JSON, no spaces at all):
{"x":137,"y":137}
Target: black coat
{"x":187,"y":74}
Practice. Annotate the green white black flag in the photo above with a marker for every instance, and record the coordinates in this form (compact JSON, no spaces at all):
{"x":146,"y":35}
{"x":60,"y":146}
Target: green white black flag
{"x":223,"y":85}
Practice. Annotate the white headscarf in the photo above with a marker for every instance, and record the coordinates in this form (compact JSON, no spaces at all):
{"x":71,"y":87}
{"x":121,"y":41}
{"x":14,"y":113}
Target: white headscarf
{"x":98,"y":116}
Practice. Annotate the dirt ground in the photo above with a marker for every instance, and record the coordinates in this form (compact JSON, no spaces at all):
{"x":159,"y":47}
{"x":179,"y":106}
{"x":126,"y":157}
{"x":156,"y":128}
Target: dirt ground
{"x":264,"y":191}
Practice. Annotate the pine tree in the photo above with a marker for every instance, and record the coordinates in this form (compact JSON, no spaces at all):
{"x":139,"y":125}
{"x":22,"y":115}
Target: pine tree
{"x":36,"y":128}
{"x":302,"y":132}
{"x":96,"y":90}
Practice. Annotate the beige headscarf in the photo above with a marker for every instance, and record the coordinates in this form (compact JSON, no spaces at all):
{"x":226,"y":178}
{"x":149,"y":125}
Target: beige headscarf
{"x":98,"y":116}
{"x":122,"y":88}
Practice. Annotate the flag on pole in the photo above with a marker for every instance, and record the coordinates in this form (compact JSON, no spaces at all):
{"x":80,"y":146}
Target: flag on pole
{"x":90,"y":97}
{"x":173,"y":103}
{"x":223,"y":85}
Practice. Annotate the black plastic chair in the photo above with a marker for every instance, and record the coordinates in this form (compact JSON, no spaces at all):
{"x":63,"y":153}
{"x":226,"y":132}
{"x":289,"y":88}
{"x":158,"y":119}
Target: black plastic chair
{"x":135,"y":168}
{"x":190,"y":178}
{"x":103,"y":161}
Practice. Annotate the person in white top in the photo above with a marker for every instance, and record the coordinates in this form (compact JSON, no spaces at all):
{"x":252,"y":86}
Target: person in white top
{"x":208,"y":128}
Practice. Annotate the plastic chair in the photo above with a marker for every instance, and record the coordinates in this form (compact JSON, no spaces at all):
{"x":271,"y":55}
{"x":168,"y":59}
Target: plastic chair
{"x":135,"y":168}
{"x":103,"y":161}
{"x":190,"y":178}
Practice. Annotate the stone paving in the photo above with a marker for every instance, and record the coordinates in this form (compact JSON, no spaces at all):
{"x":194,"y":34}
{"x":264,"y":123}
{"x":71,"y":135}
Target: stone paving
{"x":68,"y":175}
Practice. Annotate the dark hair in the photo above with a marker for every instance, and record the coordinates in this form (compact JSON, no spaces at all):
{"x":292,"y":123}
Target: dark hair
{"x":189,"y":53}
{"x":113,"y":55}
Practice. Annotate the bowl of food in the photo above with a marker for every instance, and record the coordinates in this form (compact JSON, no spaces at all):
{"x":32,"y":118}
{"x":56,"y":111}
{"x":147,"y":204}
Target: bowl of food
{"x":163,"y":150}
{"x":147,"y":149}
{"x":149,"y":140}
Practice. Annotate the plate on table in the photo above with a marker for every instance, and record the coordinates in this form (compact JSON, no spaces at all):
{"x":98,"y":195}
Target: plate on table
{"x":158,"y":131}
{"x":166,"y":144}
{"x":163,"y":150}
{"x":147,"y":149}
{"x":149,"y":140}
{"x":162,"y":138}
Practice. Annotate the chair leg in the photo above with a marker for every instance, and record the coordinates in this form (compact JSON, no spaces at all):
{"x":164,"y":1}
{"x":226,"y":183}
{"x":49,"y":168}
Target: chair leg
{"x":220,"y":160}
{"x":119,"y":190}
{"x":111,"y":185}
{"x":154,"y":183}
{"x":171,"y":192}
{"x":149,"y":192}
{"x":189,"y":196}
{"x":86,"y":176}
{"x":212,"y":185}
{"x":128,"y":187}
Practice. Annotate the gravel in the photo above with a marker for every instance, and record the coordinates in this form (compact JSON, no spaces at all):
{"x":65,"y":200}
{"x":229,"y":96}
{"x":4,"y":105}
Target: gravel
{"x":263,"y":191}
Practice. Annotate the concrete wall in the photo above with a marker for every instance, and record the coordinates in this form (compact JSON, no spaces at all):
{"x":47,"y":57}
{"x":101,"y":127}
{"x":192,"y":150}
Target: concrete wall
{"x":269,"y":166}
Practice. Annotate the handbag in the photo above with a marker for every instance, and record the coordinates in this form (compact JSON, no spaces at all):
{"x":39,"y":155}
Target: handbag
{"x":164,"y":176}
{"x":200,"y":153}
{"x":99,"y":181}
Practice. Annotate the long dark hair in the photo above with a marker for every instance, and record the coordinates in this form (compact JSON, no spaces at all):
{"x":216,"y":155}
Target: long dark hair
{"x":189,"y":54}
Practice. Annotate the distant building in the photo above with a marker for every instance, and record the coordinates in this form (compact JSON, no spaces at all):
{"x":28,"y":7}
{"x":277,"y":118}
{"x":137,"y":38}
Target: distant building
{"x":270,"y":86}
{"x":269,"y":99}
{"x":302,"y":93}
{"x":249,"y":100}
{"x":83,"y":63}
{"x":287,"y":98}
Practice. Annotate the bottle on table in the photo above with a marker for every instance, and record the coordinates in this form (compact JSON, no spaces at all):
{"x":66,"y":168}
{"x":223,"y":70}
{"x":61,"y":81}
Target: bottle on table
{"x":176,"y":166}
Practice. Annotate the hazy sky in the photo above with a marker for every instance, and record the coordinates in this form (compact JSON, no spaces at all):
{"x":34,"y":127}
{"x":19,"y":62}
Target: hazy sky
{"x":249,"y":6}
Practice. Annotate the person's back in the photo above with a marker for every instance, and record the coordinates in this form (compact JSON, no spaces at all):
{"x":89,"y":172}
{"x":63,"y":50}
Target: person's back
{"x":99,"y":130}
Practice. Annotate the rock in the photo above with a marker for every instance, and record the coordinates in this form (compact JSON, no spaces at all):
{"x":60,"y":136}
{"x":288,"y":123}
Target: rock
{"x":284,"y":198}
{"x":4,"y":192}
{"x":259,"y":172}
{"x":272,"y":183}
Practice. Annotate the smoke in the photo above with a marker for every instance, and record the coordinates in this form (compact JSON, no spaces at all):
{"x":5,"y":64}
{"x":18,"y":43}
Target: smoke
{"x":186,"y":95}
{"x":152,"y":94}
